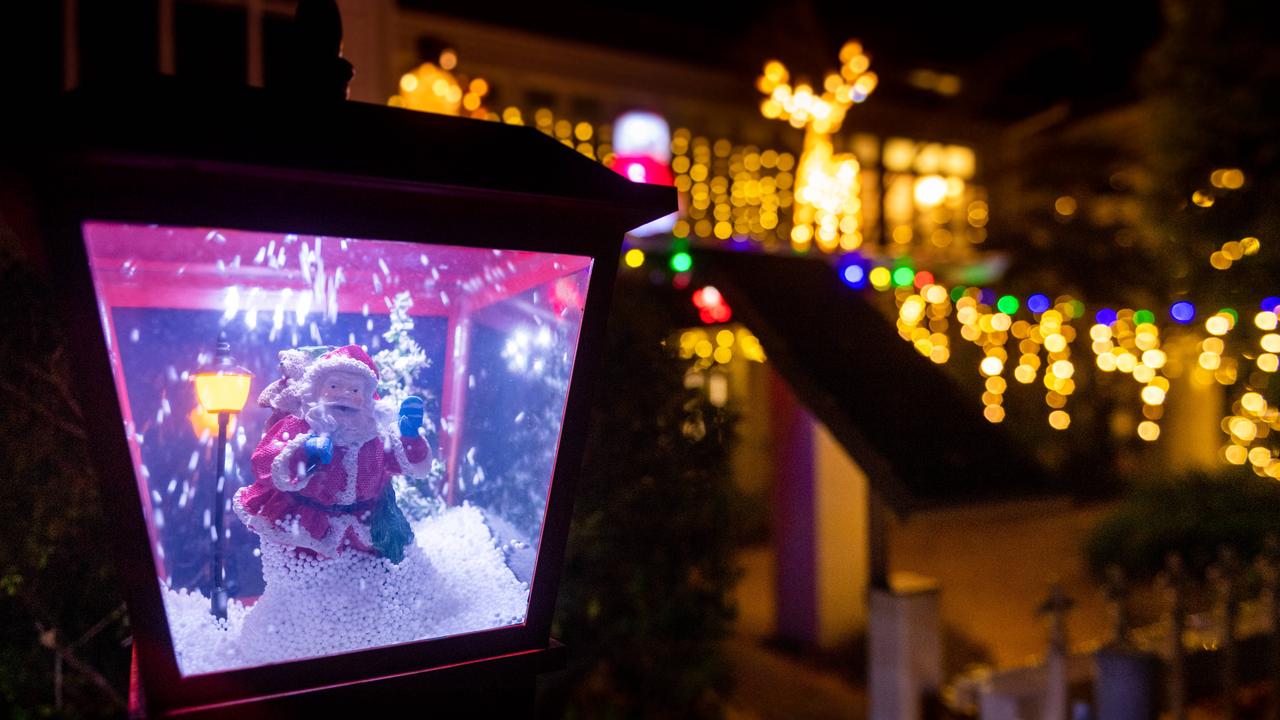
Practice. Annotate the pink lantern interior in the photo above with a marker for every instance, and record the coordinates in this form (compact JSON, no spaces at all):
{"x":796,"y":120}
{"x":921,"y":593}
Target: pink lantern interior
{"x":287,"y":287}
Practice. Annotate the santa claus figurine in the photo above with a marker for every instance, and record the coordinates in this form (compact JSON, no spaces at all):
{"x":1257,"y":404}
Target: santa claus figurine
{"x":323,"y":469}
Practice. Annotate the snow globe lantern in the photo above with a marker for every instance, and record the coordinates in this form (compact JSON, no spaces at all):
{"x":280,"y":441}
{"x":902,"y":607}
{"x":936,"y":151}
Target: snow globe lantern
{"x":379,"y":482}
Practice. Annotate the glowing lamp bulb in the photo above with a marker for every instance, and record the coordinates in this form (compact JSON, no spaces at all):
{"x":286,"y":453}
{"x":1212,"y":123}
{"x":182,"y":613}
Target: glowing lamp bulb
{"x":222,"y":386}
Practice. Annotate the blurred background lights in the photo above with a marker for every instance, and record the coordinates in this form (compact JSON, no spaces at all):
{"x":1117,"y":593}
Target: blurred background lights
{"x":681,"y":261}
{"x":854,"y":276}
{"x":634,"y":258}
{"x":1106,"y":316}
{"x":1182,"y":312}
{"x":1038,"y":303}
{"x":1007,"y":304}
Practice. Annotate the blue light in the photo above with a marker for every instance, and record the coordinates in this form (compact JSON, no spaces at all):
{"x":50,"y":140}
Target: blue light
{"x":1271,"y":303}
{"x":1105,"y":316}
{"x":854,"y":276}
{"x":987,"y":296}
{"x":1038,"y":303}
{"x":1183,"y":311}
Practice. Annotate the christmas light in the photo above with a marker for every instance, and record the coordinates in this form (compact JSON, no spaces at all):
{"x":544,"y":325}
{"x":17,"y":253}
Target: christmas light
{"x":1038,"y":303}
{"x":1182,"y":312}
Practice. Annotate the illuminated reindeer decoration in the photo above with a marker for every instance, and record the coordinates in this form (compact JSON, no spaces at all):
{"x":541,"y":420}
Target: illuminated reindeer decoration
{"x":828,"y":208}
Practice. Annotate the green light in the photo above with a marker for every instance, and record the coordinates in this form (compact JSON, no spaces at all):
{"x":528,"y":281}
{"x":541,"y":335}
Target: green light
{"x":1007,"y":304}
{"x":903,"y":276}
{"x":1077,"y":308}
{"x":681,"y":262}
{"x":1142,"y":317}
{"x":1235,"y":316}
{"x":957,"y":292}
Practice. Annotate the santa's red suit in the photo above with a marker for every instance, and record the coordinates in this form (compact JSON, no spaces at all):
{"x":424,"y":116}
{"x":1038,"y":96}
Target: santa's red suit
{"x":326,"y":508}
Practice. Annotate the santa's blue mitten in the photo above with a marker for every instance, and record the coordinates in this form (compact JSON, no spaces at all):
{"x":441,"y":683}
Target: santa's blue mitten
{"x":319,"y":451}
{"x":411,"y":411}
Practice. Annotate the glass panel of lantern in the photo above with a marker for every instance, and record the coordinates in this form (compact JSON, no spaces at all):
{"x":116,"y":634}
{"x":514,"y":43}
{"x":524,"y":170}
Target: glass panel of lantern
{"x":340,"y":443}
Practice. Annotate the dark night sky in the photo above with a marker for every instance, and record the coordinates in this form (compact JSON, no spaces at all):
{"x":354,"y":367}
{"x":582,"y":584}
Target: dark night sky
{"x":1014,"y":60}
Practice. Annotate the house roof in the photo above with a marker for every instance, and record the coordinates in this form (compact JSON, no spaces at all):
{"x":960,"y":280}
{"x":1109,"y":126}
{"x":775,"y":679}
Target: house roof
{"x":922,"y":442}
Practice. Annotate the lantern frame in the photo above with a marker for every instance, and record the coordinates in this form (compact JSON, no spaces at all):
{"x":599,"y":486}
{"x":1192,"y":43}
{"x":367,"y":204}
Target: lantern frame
{"x":163,"y":154}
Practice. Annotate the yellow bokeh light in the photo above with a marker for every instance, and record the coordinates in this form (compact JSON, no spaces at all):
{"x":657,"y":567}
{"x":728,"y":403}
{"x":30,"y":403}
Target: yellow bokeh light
{"x":1243,"y":428}
{"x":1148,"y":430}
{"x":1154,"y":358}
{"x":723,"y":355}
{"x":993,"y":413}
{"x":1219,"y":324}
{"x":1024,"y":374}
{"x":1055,"y":343}
{"x":880,"y":277}
{"x":1235,"y":454}
{"x":634,"y":258}
{"x":1270,"y":342}
{"x":1153,"y":395}
{"x":1107,"y":362}
{"x":1268,"y":362}
{"x":930,"y":190}
{"x":991,"y":365}
{"x":1254,"y":403}
{"x":725,"y":338}
{"x":1143,"y":374}
{"x":703,"y":349}
{"x":1059,"y":419}
{"x":1265,"y":320}
{"x":1063,"y":369}
{"x":1260,"y":456}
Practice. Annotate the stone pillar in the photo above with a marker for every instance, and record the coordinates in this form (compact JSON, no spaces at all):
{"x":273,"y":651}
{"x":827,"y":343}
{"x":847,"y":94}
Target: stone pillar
{"x":904,"y":646}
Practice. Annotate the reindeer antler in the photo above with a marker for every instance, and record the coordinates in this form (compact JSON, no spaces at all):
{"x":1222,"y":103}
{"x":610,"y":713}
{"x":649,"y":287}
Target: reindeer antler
{"x":802,"y":107}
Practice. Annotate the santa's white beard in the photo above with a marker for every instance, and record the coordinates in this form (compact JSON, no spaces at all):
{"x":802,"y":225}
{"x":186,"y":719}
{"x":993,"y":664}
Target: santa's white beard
{"x":354,"y":429}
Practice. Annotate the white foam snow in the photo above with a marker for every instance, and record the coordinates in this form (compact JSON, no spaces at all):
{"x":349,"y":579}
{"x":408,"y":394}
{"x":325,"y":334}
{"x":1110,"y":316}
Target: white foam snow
{"x":453,"y":580}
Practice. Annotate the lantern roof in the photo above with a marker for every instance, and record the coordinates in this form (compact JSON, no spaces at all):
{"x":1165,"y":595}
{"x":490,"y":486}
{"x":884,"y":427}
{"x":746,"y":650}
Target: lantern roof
{"x":170,"y":120}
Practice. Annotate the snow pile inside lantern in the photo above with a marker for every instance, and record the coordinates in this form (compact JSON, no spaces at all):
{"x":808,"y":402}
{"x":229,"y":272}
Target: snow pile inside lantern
{"x":389,"y":484}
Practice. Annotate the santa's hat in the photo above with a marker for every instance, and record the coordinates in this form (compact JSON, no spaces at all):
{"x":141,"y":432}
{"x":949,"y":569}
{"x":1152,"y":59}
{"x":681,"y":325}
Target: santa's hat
{"x":349,"y":358}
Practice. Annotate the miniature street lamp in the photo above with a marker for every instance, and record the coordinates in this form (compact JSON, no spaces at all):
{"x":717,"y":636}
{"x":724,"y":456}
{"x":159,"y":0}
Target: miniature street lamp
{"x":222,"y":387}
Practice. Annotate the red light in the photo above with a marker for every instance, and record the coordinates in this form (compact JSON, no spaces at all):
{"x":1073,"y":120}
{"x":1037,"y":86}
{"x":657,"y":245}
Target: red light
{"x":711,"y":305}
{"x":924,"y":277}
